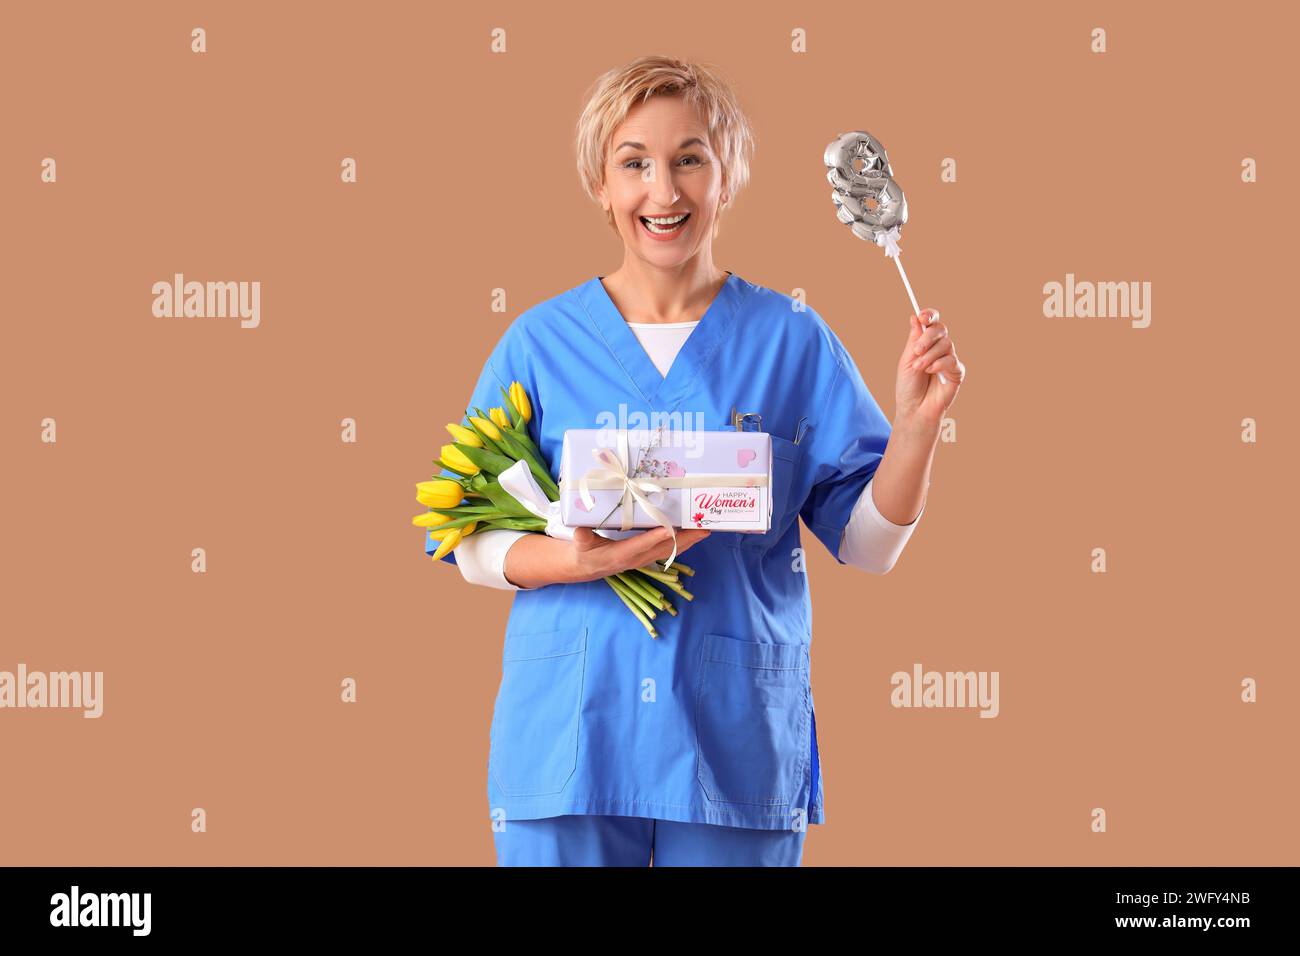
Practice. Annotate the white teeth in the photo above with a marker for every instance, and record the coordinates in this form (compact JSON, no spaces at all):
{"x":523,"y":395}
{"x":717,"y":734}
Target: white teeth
{"x":663,"y":225}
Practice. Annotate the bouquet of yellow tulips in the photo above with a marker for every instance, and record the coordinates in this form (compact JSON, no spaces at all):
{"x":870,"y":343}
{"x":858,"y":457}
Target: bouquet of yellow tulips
{"x":458,"y":507}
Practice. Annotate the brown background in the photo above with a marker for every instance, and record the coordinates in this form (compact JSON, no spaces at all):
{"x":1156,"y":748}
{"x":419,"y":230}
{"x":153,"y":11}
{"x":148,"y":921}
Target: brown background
{"x":222,"y":689}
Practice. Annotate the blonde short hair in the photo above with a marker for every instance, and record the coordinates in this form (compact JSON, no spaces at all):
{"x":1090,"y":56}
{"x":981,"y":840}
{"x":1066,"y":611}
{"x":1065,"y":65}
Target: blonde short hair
{"x":615,"y":93}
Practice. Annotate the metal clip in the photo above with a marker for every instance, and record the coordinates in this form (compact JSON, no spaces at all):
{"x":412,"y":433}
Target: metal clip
{"x":746,"y":421}
{"x":800,"y":428}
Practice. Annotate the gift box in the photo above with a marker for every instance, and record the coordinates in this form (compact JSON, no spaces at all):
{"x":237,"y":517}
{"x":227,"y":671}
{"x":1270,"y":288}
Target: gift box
{"x":641,"y":478}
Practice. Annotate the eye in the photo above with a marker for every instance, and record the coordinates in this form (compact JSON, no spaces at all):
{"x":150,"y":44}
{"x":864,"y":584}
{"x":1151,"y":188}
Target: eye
{"x":636,"y":163}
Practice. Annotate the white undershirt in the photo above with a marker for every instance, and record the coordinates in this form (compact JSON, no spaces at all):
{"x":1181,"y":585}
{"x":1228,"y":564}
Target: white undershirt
{"x":662,"y":340}
{"x":870,"y":540}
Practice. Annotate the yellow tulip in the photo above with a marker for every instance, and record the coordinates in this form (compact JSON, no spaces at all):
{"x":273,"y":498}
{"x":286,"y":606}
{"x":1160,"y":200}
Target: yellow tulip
{"x":519,"y":399}
{"x":452,"y":538}
{"x":455,"y":459}
{"x":439,"y":493}
{"x":499,"y":416}
{"x":486,"y":427}
{"x":465,"y":436}
{"x":430,"y":519}
{"x":446,"y":544}
{"x":462,"y":531}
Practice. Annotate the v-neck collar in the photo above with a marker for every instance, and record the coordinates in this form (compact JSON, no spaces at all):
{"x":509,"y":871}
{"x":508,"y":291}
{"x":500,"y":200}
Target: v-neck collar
{"x":693,"y":359}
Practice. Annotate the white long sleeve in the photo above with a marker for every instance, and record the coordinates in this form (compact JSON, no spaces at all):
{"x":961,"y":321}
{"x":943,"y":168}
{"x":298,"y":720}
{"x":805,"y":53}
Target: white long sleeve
{"x":482,"y":557}
{"x":870,"y":540}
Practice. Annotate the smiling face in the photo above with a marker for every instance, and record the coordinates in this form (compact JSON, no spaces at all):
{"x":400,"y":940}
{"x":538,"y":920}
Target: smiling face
{"x":660,"y":165}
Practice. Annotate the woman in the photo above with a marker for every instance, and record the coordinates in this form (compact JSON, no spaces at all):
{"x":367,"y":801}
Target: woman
{"x":700,"y":747}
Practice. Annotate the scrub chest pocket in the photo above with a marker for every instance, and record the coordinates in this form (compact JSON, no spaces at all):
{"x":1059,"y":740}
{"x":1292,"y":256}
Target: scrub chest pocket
{"x":785,"y":460}
{"x":752,"y":719}
{"x":534,"y":747}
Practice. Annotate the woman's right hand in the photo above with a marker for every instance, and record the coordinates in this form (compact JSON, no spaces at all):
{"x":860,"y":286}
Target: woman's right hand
{"x":595,"y":557}
{"x":536,"y":560}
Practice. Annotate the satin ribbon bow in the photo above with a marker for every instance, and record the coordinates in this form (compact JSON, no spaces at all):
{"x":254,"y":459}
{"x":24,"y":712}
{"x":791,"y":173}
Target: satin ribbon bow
{"x":634,"y":490}
{"x":890,"y":241}
{"x":519,"y":482}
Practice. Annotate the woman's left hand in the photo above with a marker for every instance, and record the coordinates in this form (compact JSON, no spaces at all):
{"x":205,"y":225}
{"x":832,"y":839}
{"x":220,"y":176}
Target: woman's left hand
{"x":920,"y":397}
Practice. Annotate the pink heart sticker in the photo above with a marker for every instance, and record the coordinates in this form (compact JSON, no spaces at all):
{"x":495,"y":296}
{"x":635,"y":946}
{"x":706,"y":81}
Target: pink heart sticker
{"x":675,"y":470}
{"x":744,"y":456}
{"x":580,"y":504}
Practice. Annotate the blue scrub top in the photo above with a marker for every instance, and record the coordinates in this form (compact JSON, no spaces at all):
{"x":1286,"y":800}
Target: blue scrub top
{"x":712,"y":722}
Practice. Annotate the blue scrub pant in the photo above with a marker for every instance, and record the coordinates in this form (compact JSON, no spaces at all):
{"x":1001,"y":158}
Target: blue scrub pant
{"x":602,"y":840}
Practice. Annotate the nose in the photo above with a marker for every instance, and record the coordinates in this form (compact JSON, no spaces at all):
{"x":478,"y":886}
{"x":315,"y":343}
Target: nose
{"x":663,"y":191}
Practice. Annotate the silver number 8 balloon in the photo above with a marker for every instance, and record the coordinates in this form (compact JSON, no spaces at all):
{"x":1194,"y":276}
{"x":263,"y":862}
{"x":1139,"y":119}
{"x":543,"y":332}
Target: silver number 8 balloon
{"x":865,"y":195}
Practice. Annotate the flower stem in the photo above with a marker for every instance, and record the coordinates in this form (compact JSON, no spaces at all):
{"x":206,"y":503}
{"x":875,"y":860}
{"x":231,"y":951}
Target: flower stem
{"x":648,"y":593}
{"x":658,"y":574}
{"x":647,"y":582}
{"x":635,"y":596}
{"x":675,"y":586}
{"x":631,"y":607}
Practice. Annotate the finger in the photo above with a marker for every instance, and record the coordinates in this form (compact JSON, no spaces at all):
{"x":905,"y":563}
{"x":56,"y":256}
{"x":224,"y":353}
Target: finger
{"x":913,"y":332}
{"x":933,"y":354}
{"x":656,"y":545}
{"x":685,"y":538}
{"x":925,"y":341}
{"x":639,"y":548}
{"x":949,"y":366}
{"x":693,"y":536}
{"x":924,"y":319}
{"x":940,"y":349}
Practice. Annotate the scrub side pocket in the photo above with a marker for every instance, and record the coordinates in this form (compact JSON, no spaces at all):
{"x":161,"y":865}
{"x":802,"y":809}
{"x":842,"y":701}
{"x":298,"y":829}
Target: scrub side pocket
{"x":534,"y":732}
{"x":751,"y":718}
{"x":785,"y":458}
